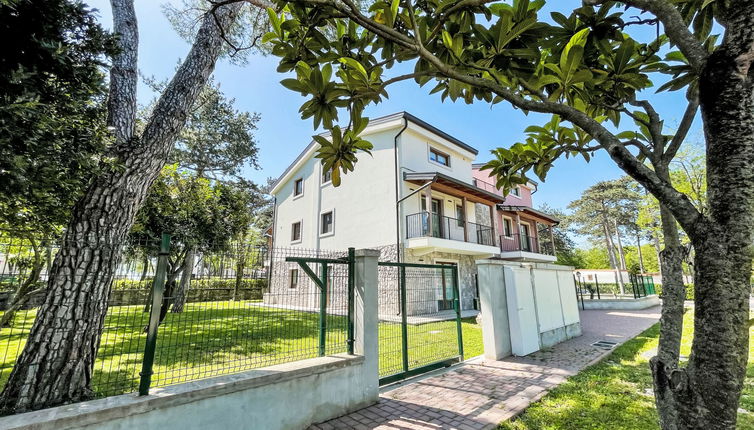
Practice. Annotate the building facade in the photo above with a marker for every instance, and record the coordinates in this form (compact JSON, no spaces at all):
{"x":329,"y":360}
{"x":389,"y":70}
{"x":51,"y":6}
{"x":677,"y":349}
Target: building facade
{"x":419,"y":198}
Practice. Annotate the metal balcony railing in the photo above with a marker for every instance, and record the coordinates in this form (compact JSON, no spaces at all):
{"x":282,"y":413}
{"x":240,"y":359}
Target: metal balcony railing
{"x":419,"y":225}
{"x":520,"y":242}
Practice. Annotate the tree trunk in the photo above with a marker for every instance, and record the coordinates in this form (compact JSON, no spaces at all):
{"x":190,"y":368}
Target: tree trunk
{"x":240,"y":266}
{"x":622,"y":259}
{"x":181,"y":293}
{"x":708,"y":389}
{"x":144,"y":268}
{"x":671,"y":321}
{"x":638,"y":249}
{"x":611,"y":255}
{"x":26,"y":289}
{"x":57,"y":362}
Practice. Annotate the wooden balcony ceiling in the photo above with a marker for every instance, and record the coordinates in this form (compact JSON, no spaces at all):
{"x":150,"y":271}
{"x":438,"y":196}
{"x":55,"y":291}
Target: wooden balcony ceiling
{"x":454,"y":187}
{"x":531,"y":212}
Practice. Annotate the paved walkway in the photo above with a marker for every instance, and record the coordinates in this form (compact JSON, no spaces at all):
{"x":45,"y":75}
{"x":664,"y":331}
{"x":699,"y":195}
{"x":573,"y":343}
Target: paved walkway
{"x":479,"y":394}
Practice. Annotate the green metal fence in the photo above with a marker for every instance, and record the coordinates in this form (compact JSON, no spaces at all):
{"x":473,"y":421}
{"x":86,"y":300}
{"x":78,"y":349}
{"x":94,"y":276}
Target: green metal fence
{"x":180,"y":313}
{"x":420,"y":319}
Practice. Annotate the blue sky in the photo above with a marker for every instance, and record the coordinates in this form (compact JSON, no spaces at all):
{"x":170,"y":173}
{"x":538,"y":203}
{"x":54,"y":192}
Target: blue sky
{"x":282,"y":134}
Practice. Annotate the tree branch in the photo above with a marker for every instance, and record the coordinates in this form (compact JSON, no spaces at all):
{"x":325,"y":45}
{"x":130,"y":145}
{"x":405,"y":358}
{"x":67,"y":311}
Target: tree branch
{"x":675,"y":28}
{"x":124,"y":77}
{"x":683,"y":129}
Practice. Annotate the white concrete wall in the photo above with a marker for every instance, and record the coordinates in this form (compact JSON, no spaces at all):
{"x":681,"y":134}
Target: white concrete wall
{"x":540,"y":306}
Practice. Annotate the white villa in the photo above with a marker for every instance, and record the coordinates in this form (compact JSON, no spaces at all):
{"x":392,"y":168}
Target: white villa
{"x":415,"y":170}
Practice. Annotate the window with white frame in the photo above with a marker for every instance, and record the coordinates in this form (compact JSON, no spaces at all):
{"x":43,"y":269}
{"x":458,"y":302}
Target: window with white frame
{"x":296,"y":231}
{"x":293,"y":278}
{"x":327,"y":223}
{"x":507,"y":227}
{"x":516,"y":191}
{"x":326,"y":176}
{"x":298,"y":187}
{"x":439,"y":157}
{"x":460,"y":216}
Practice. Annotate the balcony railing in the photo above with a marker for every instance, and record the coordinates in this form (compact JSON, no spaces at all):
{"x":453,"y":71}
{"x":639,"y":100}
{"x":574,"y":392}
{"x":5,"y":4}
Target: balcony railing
{"x":520,"y":242}
{"x":418,"y":225}
{"x":486,"y":186}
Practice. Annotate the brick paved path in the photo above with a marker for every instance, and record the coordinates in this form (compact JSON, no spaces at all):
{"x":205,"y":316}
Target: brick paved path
{"x":480,"y":394}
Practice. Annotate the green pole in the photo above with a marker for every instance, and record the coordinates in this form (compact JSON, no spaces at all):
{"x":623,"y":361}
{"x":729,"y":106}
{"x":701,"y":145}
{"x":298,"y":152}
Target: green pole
{"x":459,"y":327}
{"x":323,"y":312}
{"x":404,"y":317}
{"x":351,"y":261}
{"x":158,"y":289}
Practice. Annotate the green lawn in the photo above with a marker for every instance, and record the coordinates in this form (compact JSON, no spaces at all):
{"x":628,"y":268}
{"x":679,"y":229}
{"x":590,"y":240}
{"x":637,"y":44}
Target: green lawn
{"x":617,"y":392}
{"x":214,"y":338}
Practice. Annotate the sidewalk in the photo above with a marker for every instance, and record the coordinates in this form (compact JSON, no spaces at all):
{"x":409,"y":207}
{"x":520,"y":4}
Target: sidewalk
{"x":479,"y":394}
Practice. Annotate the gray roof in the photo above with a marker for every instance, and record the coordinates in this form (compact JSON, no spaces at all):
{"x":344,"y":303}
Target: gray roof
{"x":383,"y":119}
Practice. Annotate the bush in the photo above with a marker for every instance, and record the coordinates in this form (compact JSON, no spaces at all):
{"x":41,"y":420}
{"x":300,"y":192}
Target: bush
{"x":201,"y":290}
{"x":689,"y":291}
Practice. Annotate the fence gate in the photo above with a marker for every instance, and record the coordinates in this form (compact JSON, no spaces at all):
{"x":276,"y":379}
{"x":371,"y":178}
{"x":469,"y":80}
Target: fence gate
{"x":420,"y":319}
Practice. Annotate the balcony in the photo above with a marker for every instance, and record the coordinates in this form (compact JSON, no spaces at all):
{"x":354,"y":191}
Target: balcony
{"x":444,"y":234}
{"x":526,"y":248}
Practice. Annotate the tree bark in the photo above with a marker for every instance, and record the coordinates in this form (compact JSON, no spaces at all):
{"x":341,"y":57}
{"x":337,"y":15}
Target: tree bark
{"x":57,"y":362}
{"x":671,"y":321}
{"x":181,"y":293}
{"x":708,"y":389}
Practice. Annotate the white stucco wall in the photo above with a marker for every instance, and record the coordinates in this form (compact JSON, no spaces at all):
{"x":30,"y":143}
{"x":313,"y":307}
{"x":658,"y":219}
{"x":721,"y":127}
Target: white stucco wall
{"x":364,"y":204}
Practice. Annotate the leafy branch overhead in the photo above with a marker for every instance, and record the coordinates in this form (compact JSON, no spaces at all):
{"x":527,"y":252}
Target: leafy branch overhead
{"x":586,"y":69}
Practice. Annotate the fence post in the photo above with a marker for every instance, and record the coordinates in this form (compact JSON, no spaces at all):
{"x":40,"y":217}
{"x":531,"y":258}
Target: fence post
{"x":597,"y":283}
{"x":323,"y":312}
{"x":404,"y":317}
{"x":457,"y":293}
{"x":366,"y":320}
{"x":351,"y":268}
{"x":158,"y":289}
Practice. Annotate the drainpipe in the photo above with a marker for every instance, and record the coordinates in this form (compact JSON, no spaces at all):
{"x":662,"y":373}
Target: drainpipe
{"x":271,"y":251}
{"x":397,"y":194}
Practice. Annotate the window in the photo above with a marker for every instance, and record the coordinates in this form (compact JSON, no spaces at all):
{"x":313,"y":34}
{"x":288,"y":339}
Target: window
{"x":327,"y":223}
{"x":298,"y":187}
{"x":326,"y":176}
{"x":507,"y":227}
{"x":439,"y":157}
{"x":516,"y":191}
{"x":460,"y":216}
{"x":296,"y":231}
{"x":293,"y":276}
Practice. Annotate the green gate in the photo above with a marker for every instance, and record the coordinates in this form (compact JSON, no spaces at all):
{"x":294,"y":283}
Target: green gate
{"x":322,"y":281}
{"x":420,"y":319}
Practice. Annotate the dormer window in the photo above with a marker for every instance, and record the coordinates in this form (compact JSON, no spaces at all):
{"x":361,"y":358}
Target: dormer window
{"x":439,"y":157}
{"x":516,"y":191}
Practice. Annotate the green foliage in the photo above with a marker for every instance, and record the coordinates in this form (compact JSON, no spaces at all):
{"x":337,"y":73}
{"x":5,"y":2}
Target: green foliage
{"x":474,"y":52}
{"x":612,"y":394}
{"x":52,"y":106}
{"x":195,"y":211}
{"x":594,"y":258}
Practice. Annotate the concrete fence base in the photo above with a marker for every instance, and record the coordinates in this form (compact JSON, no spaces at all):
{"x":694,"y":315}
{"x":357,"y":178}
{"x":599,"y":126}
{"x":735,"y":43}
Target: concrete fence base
{"x":623,"y":304}
{"x":282,"y":397}
{"x":286,"y":396}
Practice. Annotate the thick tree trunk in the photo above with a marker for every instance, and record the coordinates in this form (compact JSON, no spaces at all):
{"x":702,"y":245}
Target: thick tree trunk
{"x":56,"y":364}
{"x":181,"y":293}
{"x":707,"y":391}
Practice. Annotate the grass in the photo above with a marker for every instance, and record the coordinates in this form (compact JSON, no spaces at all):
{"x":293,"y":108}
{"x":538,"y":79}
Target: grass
{"x":214,"y":338}
{"x":617,"y":392}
